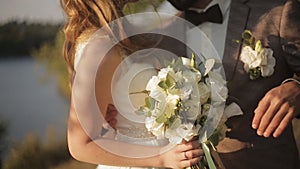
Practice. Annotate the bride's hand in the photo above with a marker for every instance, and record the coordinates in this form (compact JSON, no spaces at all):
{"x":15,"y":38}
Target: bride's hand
{"x":183,"y":155}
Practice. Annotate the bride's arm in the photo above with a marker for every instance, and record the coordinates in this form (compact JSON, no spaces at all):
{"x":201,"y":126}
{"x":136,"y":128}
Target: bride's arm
{"x":85,"y":149}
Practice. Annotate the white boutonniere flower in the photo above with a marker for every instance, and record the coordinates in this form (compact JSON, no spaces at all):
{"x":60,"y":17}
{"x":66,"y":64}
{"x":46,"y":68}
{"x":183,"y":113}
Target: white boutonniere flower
{"x":258,"y":61}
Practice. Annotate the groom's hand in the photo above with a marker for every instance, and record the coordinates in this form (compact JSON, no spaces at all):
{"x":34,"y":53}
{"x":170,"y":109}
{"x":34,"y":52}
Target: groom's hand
{"x":277,"y":109}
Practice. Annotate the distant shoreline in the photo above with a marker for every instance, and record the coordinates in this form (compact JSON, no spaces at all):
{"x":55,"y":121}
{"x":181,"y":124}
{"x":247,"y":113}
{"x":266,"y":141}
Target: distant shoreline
{"x":19,"y":39}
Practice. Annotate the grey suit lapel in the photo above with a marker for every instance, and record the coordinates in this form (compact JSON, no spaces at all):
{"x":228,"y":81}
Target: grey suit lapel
{"x":238,"y":17}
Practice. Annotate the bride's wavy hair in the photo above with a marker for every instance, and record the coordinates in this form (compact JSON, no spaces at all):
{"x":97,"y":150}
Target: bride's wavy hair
{"x":84,"y":17}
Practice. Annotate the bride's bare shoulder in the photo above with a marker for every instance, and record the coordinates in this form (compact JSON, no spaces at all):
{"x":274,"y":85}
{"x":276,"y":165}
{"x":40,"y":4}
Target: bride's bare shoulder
{"x":91,"y":41}
{"x":90,"y":34}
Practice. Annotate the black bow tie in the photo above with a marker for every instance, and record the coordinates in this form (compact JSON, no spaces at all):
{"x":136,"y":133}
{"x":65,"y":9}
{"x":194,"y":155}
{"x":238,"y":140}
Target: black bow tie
{"x":212,"y":14}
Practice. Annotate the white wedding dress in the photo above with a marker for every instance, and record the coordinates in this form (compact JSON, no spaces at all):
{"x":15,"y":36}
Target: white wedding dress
{"x":129,"y":128}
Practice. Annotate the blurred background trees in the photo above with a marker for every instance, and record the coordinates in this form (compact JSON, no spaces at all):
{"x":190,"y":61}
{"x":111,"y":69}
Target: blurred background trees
{"x":19,"y":38}
{"x":44,"y":43}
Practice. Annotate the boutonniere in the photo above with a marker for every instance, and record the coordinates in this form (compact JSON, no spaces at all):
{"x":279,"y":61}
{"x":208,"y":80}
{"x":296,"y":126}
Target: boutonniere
{"x":258,"y":60}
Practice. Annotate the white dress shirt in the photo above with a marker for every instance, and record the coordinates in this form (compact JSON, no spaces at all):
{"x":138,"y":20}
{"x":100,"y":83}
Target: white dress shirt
{"x":216,"y":33}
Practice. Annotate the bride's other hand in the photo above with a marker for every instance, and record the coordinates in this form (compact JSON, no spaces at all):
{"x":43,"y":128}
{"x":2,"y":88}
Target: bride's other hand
{"x":110,"y":116}
{"x":183,"y":155}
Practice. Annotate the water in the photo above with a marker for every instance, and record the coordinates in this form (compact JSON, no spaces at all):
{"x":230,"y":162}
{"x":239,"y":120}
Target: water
{"x":29,"y":103}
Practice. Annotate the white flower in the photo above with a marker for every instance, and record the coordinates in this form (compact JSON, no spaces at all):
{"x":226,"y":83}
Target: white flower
{"x":261,"y":58}
{"x":204,"y":92}
{"x":171,"y":105}
{"x":191,"y":76}
{"x":187,"y":131}
{"x":268,"y":64}
{"x":186,"y":91}
{"x":250,"y":57}
{"x":162,"y":74}
{"x":184,"y":131}
{"x":173,"y":136}
{"x":209,"y":64}
{"x":217,"y":85}
{"x":193,"y":108}
{"x":155,"y":128}
{"x":152,"y":83}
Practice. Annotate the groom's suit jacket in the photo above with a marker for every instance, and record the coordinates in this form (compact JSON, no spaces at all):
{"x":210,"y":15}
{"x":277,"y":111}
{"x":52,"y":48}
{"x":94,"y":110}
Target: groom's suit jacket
{"x":277,"y":24}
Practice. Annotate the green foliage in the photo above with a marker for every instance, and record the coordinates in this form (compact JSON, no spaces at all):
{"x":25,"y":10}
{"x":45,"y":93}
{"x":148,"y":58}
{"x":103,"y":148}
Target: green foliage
{"x":17,"y":39}
{"x":3,"y":140}
{"x":50,"y":54}
{"x":33,"y":153}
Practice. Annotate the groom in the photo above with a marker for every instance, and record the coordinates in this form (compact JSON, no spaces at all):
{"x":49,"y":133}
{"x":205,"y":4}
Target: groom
{"x":263,"y":137}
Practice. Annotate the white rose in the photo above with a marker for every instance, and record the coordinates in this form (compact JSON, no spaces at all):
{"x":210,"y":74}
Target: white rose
{"x":250,"y":57}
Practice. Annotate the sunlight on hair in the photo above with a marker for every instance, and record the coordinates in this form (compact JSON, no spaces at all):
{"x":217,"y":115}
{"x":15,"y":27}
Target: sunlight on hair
{"x":142,"y":6}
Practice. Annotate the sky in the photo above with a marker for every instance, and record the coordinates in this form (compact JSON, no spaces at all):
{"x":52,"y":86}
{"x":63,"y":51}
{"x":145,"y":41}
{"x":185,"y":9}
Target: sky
{"x":30,"y":10}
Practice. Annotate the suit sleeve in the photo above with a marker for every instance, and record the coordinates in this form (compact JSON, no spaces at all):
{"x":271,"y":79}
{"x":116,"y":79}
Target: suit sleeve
{"x":290,"y":35}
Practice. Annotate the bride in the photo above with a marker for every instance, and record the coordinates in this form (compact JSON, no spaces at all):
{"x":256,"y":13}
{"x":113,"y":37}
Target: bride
{"x":94,"y":62}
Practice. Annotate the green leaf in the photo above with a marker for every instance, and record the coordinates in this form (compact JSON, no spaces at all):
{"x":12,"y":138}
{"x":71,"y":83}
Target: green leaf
{"x":163,"y":85}
{"x":176,"y":122}
{"x":208,"y":156}
{"x":142,"y":111}
{"x":247,"y":42}
{"x":140,"y":92}
{"x":258,"y":46}
{"x":193,"y":61}
{"x":150,"y":103}
{"x":253,"y":43}
{"x":202,"y":120}
{"x":255,"y":73}
{"x":161,"y":119}
{"x":247,"y":35}
{"x":170,"y":81}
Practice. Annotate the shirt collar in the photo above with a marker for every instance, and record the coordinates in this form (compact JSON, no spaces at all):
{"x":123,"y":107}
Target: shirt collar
{"x":222,"y":3}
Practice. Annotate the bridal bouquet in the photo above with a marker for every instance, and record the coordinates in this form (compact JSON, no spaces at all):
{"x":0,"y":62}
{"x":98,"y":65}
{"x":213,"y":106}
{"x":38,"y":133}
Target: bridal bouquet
{"x":179,"y":99}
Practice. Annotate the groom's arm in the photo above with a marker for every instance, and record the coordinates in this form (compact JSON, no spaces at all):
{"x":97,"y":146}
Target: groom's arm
{"x":281,"y":104}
